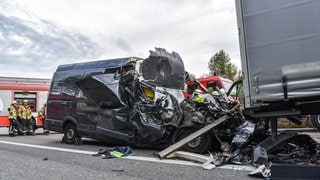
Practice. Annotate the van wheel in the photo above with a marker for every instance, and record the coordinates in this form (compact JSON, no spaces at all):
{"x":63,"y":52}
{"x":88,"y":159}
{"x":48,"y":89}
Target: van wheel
{"x":70,"y":134}
{"x":200,"y":144}
{"x":316,"y":121}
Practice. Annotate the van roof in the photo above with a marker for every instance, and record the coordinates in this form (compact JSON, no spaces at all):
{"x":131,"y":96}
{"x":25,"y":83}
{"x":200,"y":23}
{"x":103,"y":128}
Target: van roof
{"x":108,"y":63}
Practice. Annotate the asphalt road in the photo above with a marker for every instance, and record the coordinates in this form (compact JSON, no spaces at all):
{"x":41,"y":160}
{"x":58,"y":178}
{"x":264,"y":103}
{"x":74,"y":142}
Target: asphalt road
{"x":45,"y":157}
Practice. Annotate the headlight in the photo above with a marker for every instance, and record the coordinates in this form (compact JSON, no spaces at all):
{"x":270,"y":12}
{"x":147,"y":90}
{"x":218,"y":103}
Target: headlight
{"x":148,"y":93}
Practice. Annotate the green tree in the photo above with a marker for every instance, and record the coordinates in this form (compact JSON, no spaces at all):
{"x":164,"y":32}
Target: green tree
{"x":221,"y":64}
{"x":239,"y":76}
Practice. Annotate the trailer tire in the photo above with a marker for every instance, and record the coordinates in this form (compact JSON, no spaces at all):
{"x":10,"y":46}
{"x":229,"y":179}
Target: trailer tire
{"x":70,"y":133}
{"x":315,"y":119}
{"x":200,"y":144}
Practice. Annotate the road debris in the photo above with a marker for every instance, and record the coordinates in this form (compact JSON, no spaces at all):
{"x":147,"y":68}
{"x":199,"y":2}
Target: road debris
{"x":251,"y":144}
{"x":114,"y":152}
{"x":117,"y":170}
{"x":204,"y":160}
{"x":262,"y":170}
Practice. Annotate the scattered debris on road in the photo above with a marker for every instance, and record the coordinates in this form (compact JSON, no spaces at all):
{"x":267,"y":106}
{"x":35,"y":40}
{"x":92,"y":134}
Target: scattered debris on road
{"x":250,"y":143}
{"x":114,"y":152}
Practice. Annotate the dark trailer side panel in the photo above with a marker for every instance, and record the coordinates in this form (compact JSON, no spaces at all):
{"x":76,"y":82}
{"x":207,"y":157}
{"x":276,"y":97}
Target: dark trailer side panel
{"x":279,"y":45}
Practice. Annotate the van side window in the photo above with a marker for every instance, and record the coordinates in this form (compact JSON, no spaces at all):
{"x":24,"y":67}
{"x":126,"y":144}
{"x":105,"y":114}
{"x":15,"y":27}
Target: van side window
{"x":56,"y":87}
{"x":57,"y":83}
{"x":111,"y":71}
{"x":70,"y":90}
{"x":80,"y":94}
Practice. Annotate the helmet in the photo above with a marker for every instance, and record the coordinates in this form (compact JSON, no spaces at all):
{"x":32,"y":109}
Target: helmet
{"x":25,"y":101}
{"x":216,"y":93}
{"x":223,"y":91}
{"x":197,"y":91}
{"x":14,"y":102}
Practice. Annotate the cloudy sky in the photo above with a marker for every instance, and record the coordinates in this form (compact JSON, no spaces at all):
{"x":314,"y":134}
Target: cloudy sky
{"x":196,"y":29}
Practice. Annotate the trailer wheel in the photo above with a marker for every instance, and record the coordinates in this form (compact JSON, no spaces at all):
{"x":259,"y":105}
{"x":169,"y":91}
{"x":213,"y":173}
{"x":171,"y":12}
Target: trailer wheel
{"x":70,"y":134}
{"x":200,"y":144}
{"x":315,"y":119}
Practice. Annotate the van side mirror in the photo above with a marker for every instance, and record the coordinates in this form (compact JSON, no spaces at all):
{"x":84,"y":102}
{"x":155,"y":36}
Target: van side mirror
{"x":189,"y":77}
{"x":235,"y":91}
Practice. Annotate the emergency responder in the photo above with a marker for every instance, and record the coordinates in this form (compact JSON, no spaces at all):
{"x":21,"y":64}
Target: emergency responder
{"x":196,"y":96}
{"x":30,"y":123}
{"x":14,"y":126}
{"x":25,"y":114}
{"x":42,"y":116}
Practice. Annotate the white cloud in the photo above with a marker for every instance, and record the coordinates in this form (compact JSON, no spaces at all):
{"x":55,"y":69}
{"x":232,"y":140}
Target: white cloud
{"x":196,"y":29}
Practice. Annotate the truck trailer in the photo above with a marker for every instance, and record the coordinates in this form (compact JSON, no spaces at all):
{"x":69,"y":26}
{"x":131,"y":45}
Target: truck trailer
{"x":279,"y":45}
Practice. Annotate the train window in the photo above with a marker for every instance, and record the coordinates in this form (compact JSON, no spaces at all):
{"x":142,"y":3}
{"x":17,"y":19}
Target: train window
{"x":30,"y":96}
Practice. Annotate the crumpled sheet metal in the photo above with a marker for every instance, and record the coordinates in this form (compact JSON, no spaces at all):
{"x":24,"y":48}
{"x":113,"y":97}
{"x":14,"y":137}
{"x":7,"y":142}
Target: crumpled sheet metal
{"x":204,"y":160}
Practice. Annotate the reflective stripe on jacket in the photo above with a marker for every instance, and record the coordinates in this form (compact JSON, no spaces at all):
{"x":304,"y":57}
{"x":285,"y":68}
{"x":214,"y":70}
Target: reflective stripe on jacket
{"x":41,"y":112}
{"x":25,"y":112}
{"x":12,"y":112}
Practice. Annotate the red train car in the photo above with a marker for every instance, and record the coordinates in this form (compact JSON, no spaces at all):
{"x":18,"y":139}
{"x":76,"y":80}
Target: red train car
{"x":35,"y":90}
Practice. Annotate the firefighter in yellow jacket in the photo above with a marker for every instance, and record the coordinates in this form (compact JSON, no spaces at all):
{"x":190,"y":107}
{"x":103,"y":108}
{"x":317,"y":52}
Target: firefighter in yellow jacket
{"x":25,"y":114}
{"x":13,"y":118}
{"x":42,"y":115}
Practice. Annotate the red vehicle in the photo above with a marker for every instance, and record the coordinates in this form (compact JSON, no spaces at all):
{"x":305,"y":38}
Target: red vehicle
{"x":34,"y":90}
{"x":212,"y":83}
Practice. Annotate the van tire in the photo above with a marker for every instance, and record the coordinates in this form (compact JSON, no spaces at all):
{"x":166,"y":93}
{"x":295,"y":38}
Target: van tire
{"x":315,"y":119}
{"x":200,"y":144}
{"x":70,"y":133}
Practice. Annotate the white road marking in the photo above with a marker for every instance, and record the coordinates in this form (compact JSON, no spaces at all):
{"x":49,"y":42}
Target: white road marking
{"x":140,"y":158}
{"x":48,"y":147}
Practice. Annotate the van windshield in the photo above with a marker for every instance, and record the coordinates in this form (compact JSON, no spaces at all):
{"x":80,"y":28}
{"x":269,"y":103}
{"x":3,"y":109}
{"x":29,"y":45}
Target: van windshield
{"x":227,"y":85}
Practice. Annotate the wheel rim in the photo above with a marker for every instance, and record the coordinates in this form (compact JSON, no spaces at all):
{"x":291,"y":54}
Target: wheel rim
{"x":318,"y":119}
{"x":70,"y":133}
{"x":195,"y":143}
{"x":198,"y":145}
